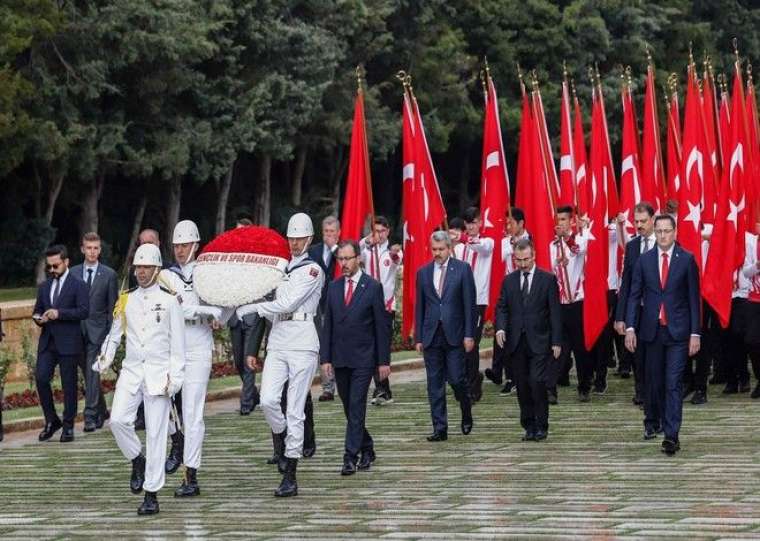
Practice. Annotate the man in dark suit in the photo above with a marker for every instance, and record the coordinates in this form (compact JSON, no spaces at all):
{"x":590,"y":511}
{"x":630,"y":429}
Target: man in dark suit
{"x":104,"y":291}
{"x":667,"y":323}
{"x":324,"y":254}
{"x":63,"y":302}
{"x":643,"y":220}
{"x":529,"y":328}
{"x":354,"y":344}
{"x":445,"y":317}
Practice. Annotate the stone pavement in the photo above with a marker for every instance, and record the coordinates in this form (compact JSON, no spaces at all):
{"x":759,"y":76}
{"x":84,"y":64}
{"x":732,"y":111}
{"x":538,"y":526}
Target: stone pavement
{"x":594,"y":477}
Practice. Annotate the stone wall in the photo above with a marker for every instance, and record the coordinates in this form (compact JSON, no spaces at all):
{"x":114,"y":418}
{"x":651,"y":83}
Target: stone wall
{"x":17,"y":321}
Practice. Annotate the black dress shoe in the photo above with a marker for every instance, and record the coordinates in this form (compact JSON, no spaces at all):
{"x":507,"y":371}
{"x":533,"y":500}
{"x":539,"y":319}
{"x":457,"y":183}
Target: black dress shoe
{"x":637,"y":400}
{"x":50,"y":430}
{"x":624,"y":374}
{"x":699,"y":398}
{"x":551,"y":396}
{"x":493,"y":377}
{"x":67,"y":435}
{"x":326,"y":396}
{"x":246,"y":411}
{"x":89,"y":425}
{"x":101,"y":420}
{"x":583,"y":396}
{"x":744,"y":386}
{"x":731,"y":388}
{"x":308,"y":452}
{"x":540,"y":435}
{"x":669,"y":447}
{"x":467,"y":425}
{"x":349,"y":467}
{"x":138,"y":474}
{"x":529,"y":435}
{"x":508,"y":388}
{"x":149,"y":505}
{"x":650,"y":433}
{"x":756,"y":392}
{"x":687,"y":393}
{"x":438,"y":436}
{"x":366,"y":460}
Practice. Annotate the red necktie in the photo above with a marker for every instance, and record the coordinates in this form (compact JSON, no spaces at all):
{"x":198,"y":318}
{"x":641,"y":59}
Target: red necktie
{"x":663,"y":281}
{"x":350,"y":292}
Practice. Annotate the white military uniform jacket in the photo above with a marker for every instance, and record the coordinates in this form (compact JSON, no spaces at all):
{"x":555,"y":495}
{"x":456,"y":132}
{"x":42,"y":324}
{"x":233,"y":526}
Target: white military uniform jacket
{"x":477,"y":253}
{"x":155,"y":356}
{"x":294,"y":307}
{"x":382,"y":265}
{"x":198,"y":333}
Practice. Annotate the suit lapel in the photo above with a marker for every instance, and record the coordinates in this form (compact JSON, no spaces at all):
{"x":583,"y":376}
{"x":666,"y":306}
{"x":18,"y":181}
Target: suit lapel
{"x":450,"y":274}
{"x":361,"y":287}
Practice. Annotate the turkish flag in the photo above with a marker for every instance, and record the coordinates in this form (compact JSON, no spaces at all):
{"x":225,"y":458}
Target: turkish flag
{"x":411,"y":217}
{"x":539,"y":117}
{"x":524,"y":159}
{"x":630,"y":176}
{"x":709,"y":149}
{"x":579,"y":158}
{"x":357,"y":200}
{"x":752,"y":183}
{"x":652,"y":174}
{"x":494,"y":191}
{"x":727,"y":246}
{"x":567,"y":157}
{"x":595,"y":286}
{"x":692,"y":174}
{"x":675,"y":150}
{"x":613,"y":202}
{"x":539,"y":211}
{"x":429,"y":194}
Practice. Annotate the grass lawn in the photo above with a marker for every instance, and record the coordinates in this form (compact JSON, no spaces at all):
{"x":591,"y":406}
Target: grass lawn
{"x":18,"y":294}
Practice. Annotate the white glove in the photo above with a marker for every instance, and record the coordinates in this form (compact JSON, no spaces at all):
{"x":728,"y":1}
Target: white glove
{"x":101,"y":364}
{"x":173,"y":388}
{"x":246,"y":309}
{"x":210,"y":311}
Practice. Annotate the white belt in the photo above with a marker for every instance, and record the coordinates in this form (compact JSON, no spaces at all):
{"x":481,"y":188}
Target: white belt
{"x":296,"y":316}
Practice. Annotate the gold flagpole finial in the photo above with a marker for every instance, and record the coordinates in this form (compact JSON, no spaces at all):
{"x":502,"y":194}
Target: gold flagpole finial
{"x":735,"y":44}
{"x":564,"y":70}
{"x":359,"y":77}
{"x":486,"y":66}
{"x":648,"y":51}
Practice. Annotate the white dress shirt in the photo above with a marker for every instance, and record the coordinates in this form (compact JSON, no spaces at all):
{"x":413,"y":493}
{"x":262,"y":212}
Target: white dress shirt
{"x":59,"y":281}
{"x":613,"y":276}
{"x":477,"y":252}
{"x":85,"y":267}
{"x":749,"y":269}
{"x":437,"y":269}
{"x":355,"y":279}
{"x":386,"y":264}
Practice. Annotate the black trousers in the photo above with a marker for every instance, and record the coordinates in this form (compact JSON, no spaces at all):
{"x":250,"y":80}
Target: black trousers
{"x":734,"y":345}
{"x":353,"y":386}
{"x":752,"y":335}
{"x":573,"y":342}
{"x":531,"y":379}
{"x":46,"y":363}
{"x":384,"y":386}
{"x":501,"y":363}
{"x":697,"y":368}
{"x":472,"y":359}
{"x":309,"y":438}
{"x":249,"y":394}
{"x":604,"y":349}
{"x":94,"y":401}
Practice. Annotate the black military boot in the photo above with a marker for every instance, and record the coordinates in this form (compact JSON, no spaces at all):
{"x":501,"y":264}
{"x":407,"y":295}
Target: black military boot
{"x":149,"y":505}
{"x":288,"y":487}
{"x":189,"y":486}
{"x":174,"y":459}
{"x":278,"y":457}
{"x":309,"y":438}
{"x":138,"y":474}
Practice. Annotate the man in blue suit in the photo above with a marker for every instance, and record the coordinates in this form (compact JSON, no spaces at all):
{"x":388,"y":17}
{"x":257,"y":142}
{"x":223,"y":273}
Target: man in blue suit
{"x":63,"y":302}
{"x":354,"y":344}
{"x":445,"y":316}
{"x":102,"y":283}
{"x":663,"y":308}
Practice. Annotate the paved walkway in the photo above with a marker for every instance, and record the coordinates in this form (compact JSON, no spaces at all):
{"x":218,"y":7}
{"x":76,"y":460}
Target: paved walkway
{"x":594,"y":477}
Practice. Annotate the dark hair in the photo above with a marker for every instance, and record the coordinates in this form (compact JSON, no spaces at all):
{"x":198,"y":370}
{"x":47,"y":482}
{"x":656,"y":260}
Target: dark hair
{"x":471,"y":214}
{"x":667,"y":217}
{"x":382,"y":220}
{"x":644,"y":207}
{"x":244,"y":221}
{"x":456,"y":223}
{"x":518,"y":215}
{"x":524,"y":244}
{"x":671,"y":206}
{"x":57,"y":249}
{"x":565,"y":209}
{"x":349,"y":242}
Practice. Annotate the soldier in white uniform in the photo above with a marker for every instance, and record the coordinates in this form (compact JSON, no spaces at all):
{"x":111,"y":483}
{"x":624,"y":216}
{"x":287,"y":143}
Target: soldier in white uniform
{"x":477,"y":252}
{"x":292,"y":349}
{"x":381,"y":261}
{"x":199,"y":345}
{"x":151,"y":373}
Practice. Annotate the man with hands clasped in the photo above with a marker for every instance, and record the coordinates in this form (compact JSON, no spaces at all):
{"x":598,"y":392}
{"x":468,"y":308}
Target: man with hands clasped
{"x":152,"y":372}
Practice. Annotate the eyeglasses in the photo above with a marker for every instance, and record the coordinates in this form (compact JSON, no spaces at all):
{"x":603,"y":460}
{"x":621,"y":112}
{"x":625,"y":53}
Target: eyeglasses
{"x":51,"y":267}
{"x":663,"y":231}
{"x":341,"y":259}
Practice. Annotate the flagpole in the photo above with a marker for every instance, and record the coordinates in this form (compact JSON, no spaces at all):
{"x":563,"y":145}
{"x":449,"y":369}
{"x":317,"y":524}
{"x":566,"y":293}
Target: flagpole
{"x":566,"y":90}
{"x":656,"y":123}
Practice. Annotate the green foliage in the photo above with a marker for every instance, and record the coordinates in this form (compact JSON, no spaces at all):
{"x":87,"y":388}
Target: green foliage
{"x":6,"y":357}
{"x":23,"y":241}
{"x":29,"y":356}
